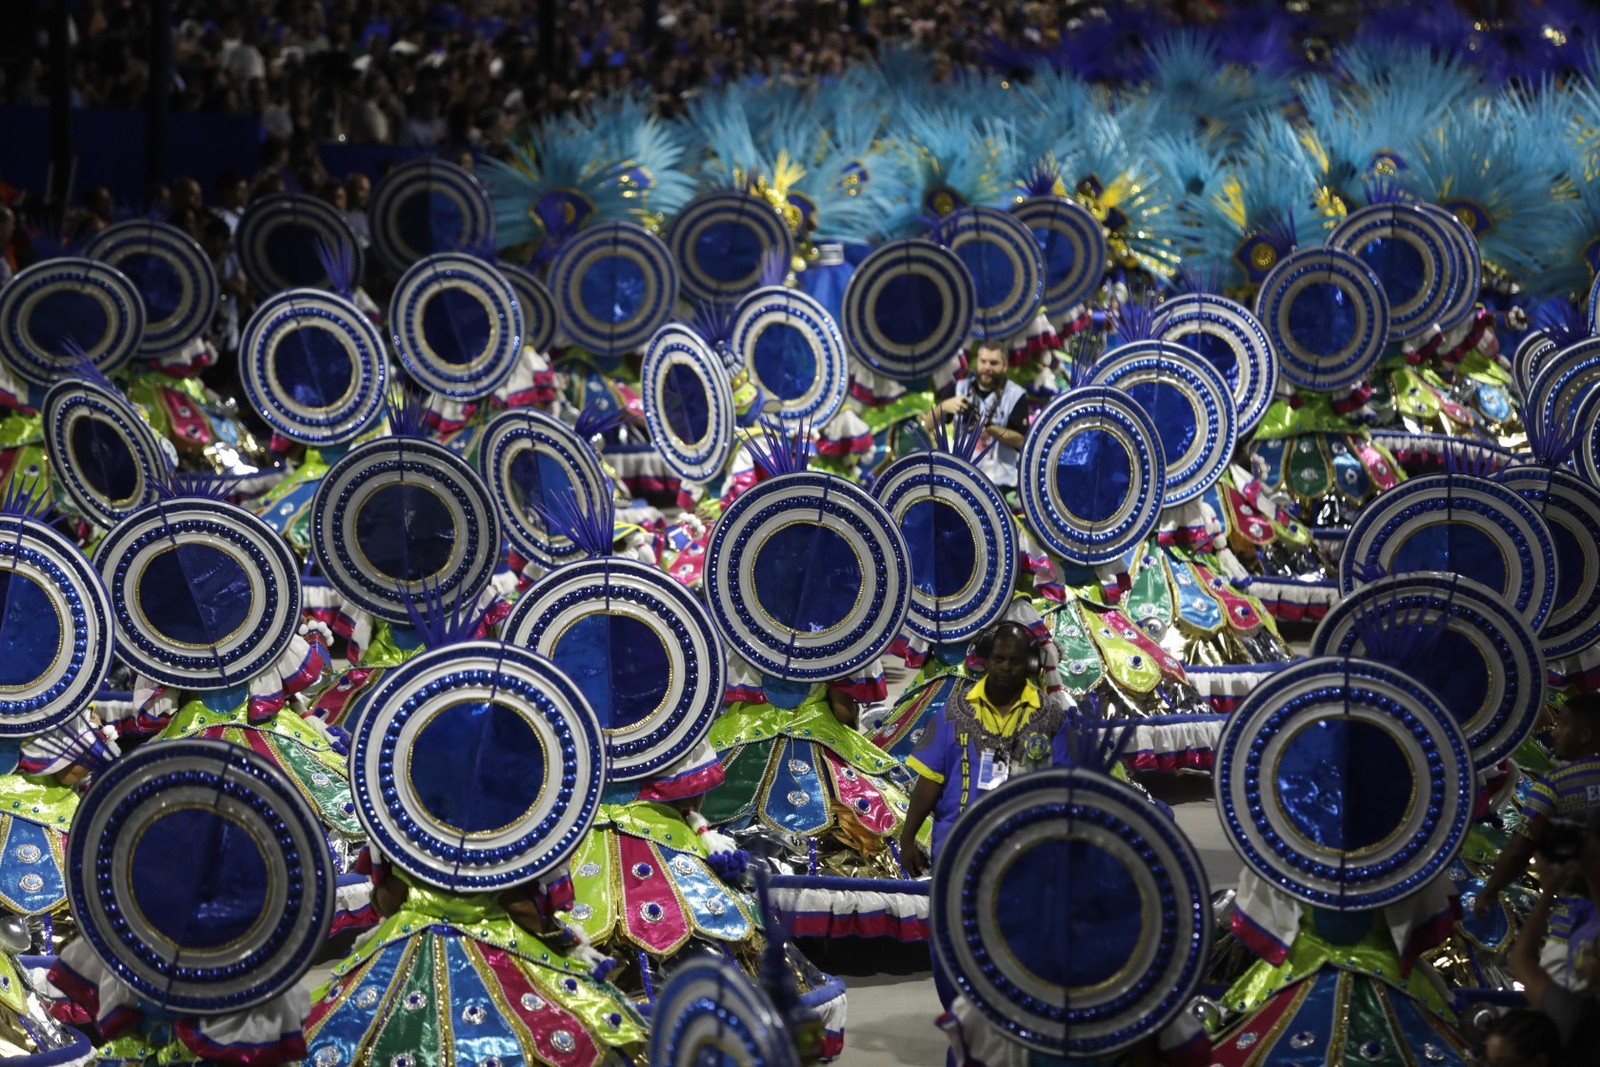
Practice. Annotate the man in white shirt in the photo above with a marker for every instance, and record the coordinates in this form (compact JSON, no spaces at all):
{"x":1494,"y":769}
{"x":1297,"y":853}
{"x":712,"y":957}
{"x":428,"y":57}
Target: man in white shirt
{"x":987,"y":399}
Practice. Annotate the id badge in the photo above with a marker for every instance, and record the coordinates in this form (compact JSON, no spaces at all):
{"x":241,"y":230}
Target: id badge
{"x":992,"y":770}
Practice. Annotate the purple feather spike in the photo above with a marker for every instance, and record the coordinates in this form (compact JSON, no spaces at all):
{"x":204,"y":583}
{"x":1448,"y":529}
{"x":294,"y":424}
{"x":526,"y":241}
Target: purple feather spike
{"x":1397,"y":635}
{"x":441,"y":624}
{"x":202,"y":485}
{"x":1041,"y":178}
{"x":778,"y":451}
{"x":1562,"y":321}
{"x":1190,"y":281}
{"x":339,"y":263}
{"x":774,"y":269}
{"x":1472,"y":463}
{"x":408,"y":412}
{"x":1135,"y":319}
{"x":591,"y":529}
{"x":1092,"y":742}
{"x":26,"y":498}
{"x":1552,"y":444}
{"x":1385,"y":189}
{"x":1082,"y":352}
{"x":597,"y":419}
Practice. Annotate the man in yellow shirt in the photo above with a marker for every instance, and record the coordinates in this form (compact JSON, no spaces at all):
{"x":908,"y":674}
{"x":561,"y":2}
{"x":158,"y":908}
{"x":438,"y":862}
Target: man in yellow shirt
{"x":996,"y":729}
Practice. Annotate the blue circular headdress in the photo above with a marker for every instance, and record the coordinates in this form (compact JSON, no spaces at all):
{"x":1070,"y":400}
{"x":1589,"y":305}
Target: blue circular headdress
{"x":174,"y":277}
{"x":724,"y":243}
{"x":103,"y":454}
{"x":288,"y":241}
{"x":426,"y":207}
{"x":477,"y":766}
{"x":200,"y":877}
{"x":908,"y":308}
{"x":59,"y":312}
{"x":1327,"y":316}
{"x":1071,"y":912}
{"x":457,"y":325}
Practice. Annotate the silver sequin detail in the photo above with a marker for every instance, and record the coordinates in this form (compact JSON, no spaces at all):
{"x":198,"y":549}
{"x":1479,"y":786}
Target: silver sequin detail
{"x":27,"y":853}
{"x":588,"y":870}
{"x":489,"y":1061}
{"x":643,"y":870}
{"x":31,"y":883}
{"x":582,"y":912}
{"x":326,"y":1057}
{"x":1246,"y":1041}
{"x":1433,"y":1053}
{"x":651,"y":912}
{"x":799,"y":768}
{"x":715,"y":906}
{"x":1372,"y":1051}
{"x":320,"y":779}
{"x":798,"y":799}
{"x":367,"y":998}
{"x":683,"y":865}
{"x":1304,"y":1039}
{"x":405,"y":1059}
{"x":415,"y":1001}
{"x":531,"y":1002}
{"x":473,"y":1014}
{"x":562,"y":1041}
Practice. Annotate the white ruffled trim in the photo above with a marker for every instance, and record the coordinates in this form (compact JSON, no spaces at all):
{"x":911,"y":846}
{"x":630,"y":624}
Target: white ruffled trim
{"x":1212,"y":682}
{"x":898,"y":907}
{"x":1167,"y":739}
{"x":60,"y":747}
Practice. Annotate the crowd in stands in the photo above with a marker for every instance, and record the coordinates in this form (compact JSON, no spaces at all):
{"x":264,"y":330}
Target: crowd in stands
{"x":463,"y":74}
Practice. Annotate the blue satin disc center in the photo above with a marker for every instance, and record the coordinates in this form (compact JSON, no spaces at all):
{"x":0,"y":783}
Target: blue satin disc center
{"x":685,"y":404}
{"x":620,"y":665}
{"x":612,"y":291}
{"x":1173,"y":415}
{"x":943,"y":552}
{"x":1453,"y":547}
{"x":909,"y":310}
{"x":1092,"y":476}
{"x":539,"y":480}
{"x":30,"y":631}
{"x":729,"y":252}
{"x":195,"y":594}
{"x":993,"y":274}
{"x":198,"y":878}
{"x":313,"y":367}
{"x":477,"y":767}
{"x":1060,"y":255}
{"x":430,"y":222}
{"x":807,"y":577}
{"x":157,"y":281}
{"x":1399,"y":267}
{"x":1453,"y":668}
{"x":1094,"y":928}
{"x":64,"y":316}
{"x":290,"y":250}
{"x":1322,"y":319}
{"x":455,"y":326}
{"x":1215,"y":351}
{"x":406,"y":532}
{"x":784,"y":361}
{"x":1344,"y":784}
{"x":1571,"y":569}
{"x":102,"y":456}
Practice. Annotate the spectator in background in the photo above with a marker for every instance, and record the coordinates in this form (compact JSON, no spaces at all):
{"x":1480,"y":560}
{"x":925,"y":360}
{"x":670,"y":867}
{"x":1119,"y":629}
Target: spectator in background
{"x":357,"y":191}
{"x":8,"y":254}
{"x":186,"y":193}
{"x":232,"y":196}
{"x":333,"y":193}
{"x":224,"y":332}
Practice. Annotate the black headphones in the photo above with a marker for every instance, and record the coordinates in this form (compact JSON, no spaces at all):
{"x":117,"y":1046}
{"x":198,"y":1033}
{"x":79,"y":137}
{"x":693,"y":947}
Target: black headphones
{"x":983,"y":644}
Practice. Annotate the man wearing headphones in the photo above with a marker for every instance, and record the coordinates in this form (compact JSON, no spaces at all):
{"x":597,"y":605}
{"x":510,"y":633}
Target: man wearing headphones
{"x":996,"y":729}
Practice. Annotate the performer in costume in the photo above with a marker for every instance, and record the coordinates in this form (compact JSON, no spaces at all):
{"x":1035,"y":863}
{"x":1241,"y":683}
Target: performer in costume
{"x":173,"y":885}
{"x":473,"y":958}
{"x":806,"y":793}
{"x":50,"y":739}
{"x":653,"y":883}
{"x":1340,"y":942}
{"x":1075,"y":837}
{"x":185,"y":574}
